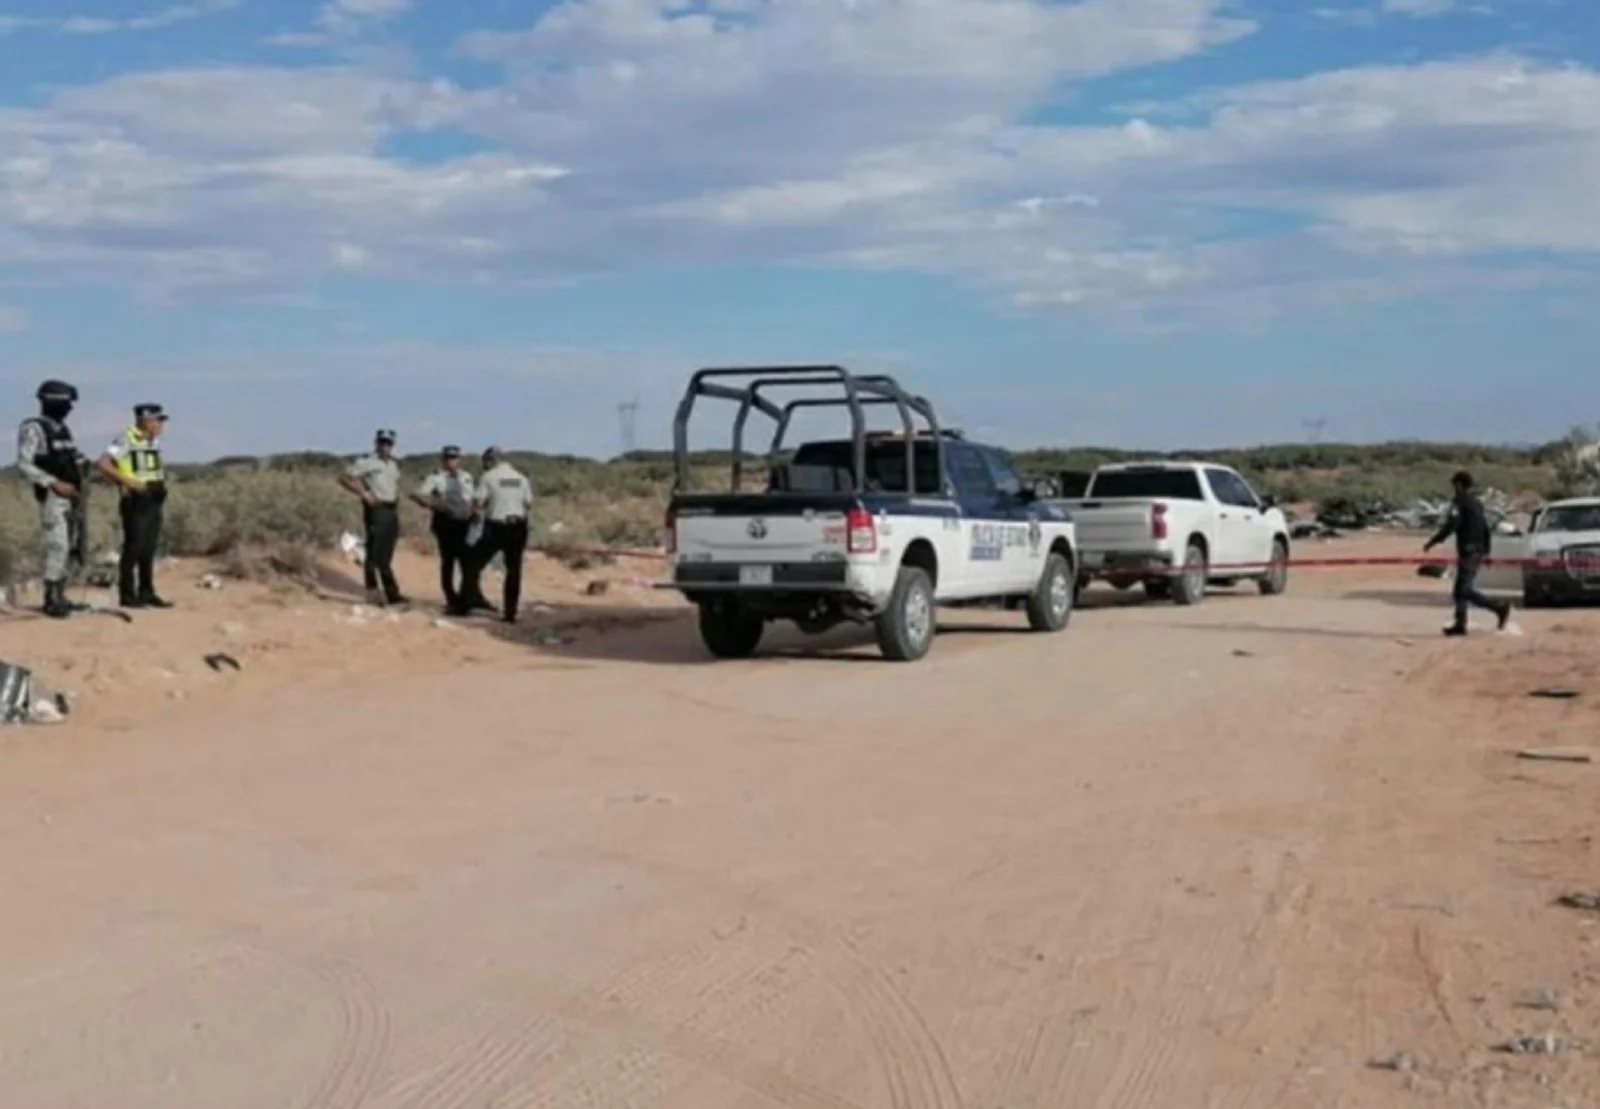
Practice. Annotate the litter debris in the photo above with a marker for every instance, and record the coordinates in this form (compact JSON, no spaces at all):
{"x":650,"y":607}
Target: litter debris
{"x":597,"y":588}
{"x":1547,"y":1043}
{"x":1544,"y":1001}
{"x":24,"y":701}
{"x":220,"y":659}
{"x":1588,"y":902}
{"x":549,"y":637}
{"x":441,"y":622}
{"x":1557,"y":754}
{"x":1239,"y":652}
{"x":210,"y":581}
{"x":1431,"y":570}
{"x":351,"y":546}
{"x":101,"y":577}
{"x":1554,"y":693}
{"x":1402,"y":1062}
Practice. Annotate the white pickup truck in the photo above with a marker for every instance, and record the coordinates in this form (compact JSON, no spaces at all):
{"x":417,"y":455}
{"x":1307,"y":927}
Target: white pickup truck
{"x":875,"y":529}
{"x":1177,"y":527}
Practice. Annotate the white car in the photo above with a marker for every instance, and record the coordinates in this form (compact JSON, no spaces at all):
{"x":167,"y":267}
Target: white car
{"x":875,"y":529}
{"x":1177,"y":527}
{"x":1560,"y":554}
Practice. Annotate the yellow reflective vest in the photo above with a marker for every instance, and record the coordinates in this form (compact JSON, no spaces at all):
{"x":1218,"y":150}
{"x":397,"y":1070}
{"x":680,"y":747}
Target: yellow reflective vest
{"x":140,"y":458}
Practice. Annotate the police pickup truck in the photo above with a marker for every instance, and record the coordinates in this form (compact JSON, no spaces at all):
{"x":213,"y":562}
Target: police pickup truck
{"x":873,"y":528}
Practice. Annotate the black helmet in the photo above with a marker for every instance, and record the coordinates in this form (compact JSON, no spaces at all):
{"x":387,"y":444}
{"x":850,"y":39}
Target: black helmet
{"x":57,"y":391}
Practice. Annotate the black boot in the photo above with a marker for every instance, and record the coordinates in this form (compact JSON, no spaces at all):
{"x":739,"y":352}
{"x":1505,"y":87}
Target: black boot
{"x":55,"y":600}
{"x":153,"y":600}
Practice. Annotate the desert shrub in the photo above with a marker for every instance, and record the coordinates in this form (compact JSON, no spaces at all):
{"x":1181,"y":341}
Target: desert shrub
{"x":243,"y":509}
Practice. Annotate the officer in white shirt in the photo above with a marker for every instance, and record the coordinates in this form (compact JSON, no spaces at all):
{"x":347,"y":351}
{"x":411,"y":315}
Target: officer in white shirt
{"x":448,"y":494}
{"x":375,"y":478}
{"x":504,"y":499}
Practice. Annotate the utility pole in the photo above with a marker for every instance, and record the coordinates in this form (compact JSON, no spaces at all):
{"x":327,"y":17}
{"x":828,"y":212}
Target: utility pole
{"x":627,"y":415}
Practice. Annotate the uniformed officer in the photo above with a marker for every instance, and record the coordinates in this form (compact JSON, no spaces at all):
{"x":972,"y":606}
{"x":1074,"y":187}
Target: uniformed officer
{"x":448,"y":494}
{"x":1468,"y":522}
{"x":53,"y":465}
{"x":375,"y":478}
{"x":133,"y":462}
{"x":504,"y":498}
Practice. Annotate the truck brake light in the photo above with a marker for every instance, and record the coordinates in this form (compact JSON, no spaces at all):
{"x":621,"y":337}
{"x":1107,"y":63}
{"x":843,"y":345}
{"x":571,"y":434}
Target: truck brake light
{"x":861,"y":534}
{"x":670,"y":537}
{"x":1158,"y":521}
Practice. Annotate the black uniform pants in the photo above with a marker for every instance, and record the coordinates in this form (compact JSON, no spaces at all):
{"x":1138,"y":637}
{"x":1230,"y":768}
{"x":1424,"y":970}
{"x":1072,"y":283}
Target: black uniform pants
{"x":141,"y":535}
{"x":1466,"y":589}
{"x":383,"y":532}
{"x":509,"y":539}
{"x":451,"y":535}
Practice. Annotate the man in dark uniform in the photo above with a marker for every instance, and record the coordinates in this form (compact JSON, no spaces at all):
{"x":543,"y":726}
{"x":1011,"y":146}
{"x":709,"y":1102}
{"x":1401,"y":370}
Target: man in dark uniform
{"x":505,"y":501}
{"x":52,"y":464}
{"x":133,"y":461}
{"x":447,"y":494}
{"x":1469,"y":524}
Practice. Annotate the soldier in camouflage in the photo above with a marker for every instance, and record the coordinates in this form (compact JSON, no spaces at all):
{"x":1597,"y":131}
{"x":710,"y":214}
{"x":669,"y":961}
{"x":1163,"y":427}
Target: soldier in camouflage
{"x":53,"y":465}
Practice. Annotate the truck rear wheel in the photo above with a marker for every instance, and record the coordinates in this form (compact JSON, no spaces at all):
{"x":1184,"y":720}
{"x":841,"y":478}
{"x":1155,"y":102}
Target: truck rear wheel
{"x":728,"y":629}
{"x":1189,"y":584}
{"x":905,"y":628}
{"x":1050,"y":603}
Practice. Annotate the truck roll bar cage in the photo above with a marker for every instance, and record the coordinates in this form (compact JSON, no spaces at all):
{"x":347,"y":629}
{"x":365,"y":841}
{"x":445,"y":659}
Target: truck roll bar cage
{"x":858,"y":391}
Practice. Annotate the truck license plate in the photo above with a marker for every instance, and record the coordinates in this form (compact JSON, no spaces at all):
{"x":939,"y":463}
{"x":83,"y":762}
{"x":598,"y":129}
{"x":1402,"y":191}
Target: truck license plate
{"x":755,"y":575}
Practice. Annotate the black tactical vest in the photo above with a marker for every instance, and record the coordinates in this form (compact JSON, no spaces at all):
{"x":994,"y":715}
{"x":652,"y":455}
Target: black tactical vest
{"x":59,"y":458}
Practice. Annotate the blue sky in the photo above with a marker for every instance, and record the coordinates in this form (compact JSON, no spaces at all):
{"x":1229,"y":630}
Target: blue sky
{"x":1137,"y":222}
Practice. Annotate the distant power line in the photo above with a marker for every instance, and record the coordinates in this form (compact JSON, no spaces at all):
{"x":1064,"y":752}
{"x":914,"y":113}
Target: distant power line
{"x":628,"y":417}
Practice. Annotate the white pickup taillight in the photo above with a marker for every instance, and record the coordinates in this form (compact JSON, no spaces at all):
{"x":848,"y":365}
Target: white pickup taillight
{"x":1158,"y":521}
{"x":861,"y":534}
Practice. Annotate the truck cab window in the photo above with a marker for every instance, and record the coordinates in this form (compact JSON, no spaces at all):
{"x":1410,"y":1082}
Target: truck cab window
{"x":969,"y":471}
{"x":1006,"y":479}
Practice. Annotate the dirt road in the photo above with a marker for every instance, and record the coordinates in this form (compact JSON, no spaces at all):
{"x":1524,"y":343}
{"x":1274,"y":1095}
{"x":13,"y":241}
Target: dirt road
{"x":1224,"y":856}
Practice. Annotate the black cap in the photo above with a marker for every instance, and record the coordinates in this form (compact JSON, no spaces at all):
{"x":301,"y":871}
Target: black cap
{"x":57,"y":391}
{"x":1461,"y":480}
{"x":491,"y":453}
{"x":140,"y":411}
{"x":451,"y":451}
{"x":384,"y":435}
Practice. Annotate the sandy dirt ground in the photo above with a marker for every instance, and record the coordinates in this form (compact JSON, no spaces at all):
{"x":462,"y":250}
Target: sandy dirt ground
{"x":1222,"y":856}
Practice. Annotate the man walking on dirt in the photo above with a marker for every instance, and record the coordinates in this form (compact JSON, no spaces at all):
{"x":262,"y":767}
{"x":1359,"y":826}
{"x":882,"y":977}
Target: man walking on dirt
{"x":375,"y":478}
{"x":1468,"y":522}
{"x":504,"y":498}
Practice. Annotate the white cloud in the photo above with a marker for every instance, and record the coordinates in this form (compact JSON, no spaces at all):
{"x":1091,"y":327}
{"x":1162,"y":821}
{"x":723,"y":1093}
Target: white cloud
{"x":1418,"y":9}
{"x":341,"y":20}
{"x":888,"y":133}
{"x":12,"y":320}
{"x":152,"y":20}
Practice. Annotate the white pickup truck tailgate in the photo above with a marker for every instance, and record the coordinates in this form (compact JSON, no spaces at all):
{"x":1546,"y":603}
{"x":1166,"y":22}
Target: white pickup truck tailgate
{"x":1112,"y":525}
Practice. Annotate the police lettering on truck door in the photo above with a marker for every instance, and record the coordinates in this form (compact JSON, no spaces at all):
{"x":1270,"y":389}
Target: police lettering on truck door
{"x":994,"y":540}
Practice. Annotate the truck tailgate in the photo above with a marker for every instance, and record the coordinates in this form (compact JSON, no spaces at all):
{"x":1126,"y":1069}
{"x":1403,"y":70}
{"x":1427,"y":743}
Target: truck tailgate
{"x":1108,"y":526}
{"x":758,"y":538}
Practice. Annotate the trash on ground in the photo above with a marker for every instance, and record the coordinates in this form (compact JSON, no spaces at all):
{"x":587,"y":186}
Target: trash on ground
{"x":25,"y":701}
{"x":1557,"y":754}
{"x":1555,"y":693}
{"x":1240,"y":652}
{"x":1402,"y":1062}
{"x":220,"y":659}
{"x":1431,"y":570}
{"x":1544,"y":1001}
{"x":209,"y":581}
{"x":1547,"y":1043}
{"x":1589,"y":902}
{"x":597,"y":588}
{"x":549,"y":637}
{"x":351,"y":546}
